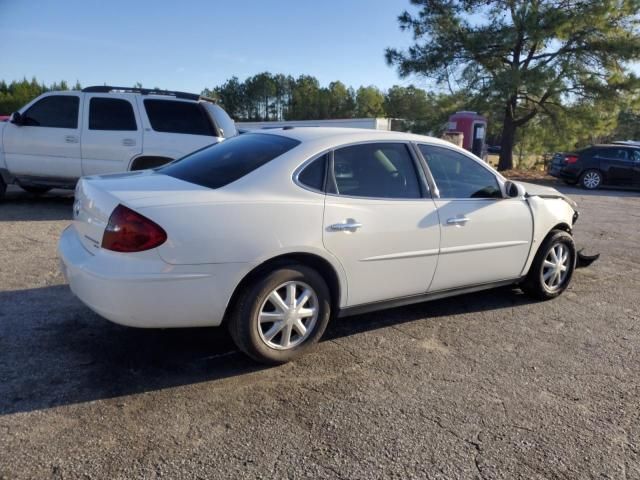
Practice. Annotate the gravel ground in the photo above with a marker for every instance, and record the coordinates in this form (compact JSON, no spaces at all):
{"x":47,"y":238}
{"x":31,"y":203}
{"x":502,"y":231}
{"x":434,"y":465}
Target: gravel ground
{"x":488,"y":385}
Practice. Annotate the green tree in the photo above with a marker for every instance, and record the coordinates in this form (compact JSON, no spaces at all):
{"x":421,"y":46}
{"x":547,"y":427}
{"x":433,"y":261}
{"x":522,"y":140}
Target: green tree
{"x":528,"y":56}
{"x":369,"y":102}
{"x":305,"y":98}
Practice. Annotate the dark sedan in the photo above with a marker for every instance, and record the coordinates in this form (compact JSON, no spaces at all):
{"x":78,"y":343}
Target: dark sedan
{"x":599,"y":165}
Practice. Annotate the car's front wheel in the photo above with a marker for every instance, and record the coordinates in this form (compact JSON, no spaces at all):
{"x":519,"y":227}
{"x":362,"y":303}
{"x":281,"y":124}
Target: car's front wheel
{"x":281,"y":316}
{"x":591,"y":179}
{"x":552,"y":267}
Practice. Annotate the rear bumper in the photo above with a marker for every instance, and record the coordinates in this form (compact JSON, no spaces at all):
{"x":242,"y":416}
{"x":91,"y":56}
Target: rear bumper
{"x":148,"y":292}
{"x":563,"y":173}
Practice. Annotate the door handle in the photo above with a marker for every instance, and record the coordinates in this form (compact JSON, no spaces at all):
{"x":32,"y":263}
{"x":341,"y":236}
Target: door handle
{"x":458,"y":221}
{"x":71,"y":139}
{"x":128,"y":142}
{"x":345,"y":227}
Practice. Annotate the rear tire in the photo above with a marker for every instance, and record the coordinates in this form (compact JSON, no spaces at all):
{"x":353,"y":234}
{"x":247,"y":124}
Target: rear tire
{"x":281,"y":316}
{"x":591,"y":179}
{"x":36,"y":190}
{"x":552,"y":267}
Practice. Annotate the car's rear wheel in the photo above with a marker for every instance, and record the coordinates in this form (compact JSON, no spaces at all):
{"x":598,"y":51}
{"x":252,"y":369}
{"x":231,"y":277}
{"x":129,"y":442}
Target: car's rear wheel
{"x":552,"y":267}
{"x":36,"y":190}
{"x":591,"y":179}
{"x":281,"y":316}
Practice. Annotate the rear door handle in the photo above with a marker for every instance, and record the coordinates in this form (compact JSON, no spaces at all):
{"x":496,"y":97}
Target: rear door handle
{"x":71,"y":139}
{"x":129,"y":142}
{"x":345,"y":227}
{"x":458,"y":221}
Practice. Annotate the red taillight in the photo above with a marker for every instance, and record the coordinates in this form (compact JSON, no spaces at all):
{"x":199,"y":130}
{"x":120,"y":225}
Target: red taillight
{"x":570,"y":159}
{"x":128,"y":231}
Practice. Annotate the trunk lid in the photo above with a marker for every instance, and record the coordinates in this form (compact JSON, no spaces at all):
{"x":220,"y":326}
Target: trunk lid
{"x":96,"y":198}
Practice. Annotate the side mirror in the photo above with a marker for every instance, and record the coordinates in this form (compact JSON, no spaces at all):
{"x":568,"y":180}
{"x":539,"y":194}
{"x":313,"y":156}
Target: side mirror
{"x":16,"y":118}
{"x":514,"y":190}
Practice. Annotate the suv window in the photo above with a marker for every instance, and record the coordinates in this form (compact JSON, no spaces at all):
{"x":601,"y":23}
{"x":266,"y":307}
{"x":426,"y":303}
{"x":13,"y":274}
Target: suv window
{"x":220,"y":164}
{"x":111,"y":114}
{"x":178,"y":117}
{"x":223,"y":120}
{"x":55,"y":111}
{"x":313,"y":174}
{"x":458,"y":176}
{"x":379,"y":170}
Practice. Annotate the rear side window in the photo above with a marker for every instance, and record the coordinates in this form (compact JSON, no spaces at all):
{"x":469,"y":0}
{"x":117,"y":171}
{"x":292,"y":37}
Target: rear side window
{"x":458,"y":176}
{"x":223,"y":120}
{"x":55,"y":111}
{"x":178,"y":117}
{"x":376,"y":170}
{"x":226,"y":162}
{"x":313,"y":174}
{"x":111,"y":114}
{"x":615,"y":153}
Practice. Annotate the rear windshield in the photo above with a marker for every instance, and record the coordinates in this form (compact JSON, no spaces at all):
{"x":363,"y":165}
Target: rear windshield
{"x":226,"y":162}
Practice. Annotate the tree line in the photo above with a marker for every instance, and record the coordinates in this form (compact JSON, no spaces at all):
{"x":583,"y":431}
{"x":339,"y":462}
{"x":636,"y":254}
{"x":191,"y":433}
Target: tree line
{"x":265,"y":96}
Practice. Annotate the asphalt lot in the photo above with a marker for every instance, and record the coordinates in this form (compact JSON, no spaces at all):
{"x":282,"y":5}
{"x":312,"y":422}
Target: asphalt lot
{"x":488,"y":385}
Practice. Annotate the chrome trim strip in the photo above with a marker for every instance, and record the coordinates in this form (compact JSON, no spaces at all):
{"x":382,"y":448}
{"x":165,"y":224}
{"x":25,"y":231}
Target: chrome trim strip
{"x":482,"y":246}
{"x":394,"y":256}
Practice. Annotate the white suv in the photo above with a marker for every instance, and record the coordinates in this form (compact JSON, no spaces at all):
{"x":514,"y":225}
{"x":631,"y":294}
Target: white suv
{"x":62,"y":136}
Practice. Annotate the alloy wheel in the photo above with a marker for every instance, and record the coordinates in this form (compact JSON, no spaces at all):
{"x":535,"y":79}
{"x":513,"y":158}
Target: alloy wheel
{"x":288,"y":315}
{"x":555,"y":266}
{"x":591,"y":180}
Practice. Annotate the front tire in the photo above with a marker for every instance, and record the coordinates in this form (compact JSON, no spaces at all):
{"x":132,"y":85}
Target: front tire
{"x":281,"y":316}
{"x":591,"y":179}
{"x":552,"y":267}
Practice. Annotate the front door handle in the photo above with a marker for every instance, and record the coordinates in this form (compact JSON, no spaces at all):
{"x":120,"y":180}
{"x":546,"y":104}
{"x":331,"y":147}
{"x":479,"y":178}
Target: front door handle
{"x":458,"y":221}
{"x":345,"y":227}
{"x":71,"y":139}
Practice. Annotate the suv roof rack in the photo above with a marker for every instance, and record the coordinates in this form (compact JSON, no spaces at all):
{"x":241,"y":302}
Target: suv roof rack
{"x":146,"y":91}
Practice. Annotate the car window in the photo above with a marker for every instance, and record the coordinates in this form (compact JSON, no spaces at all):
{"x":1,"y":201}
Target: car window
{"x":111,"y":114}
{"x":55,"y":111}
{"x":220,"y":164}
{"x":223,"y":120}
{"x":312,"y":175}
{"x":379,"y":170}
{"x":178,"y":117}
{"x":636,"y":155}
{"x":614,"y":153}
{"x":458,"y":176}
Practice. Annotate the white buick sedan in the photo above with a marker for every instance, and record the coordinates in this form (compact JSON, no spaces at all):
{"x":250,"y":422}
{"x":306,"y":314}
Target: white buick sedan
{"x":273,"y":233}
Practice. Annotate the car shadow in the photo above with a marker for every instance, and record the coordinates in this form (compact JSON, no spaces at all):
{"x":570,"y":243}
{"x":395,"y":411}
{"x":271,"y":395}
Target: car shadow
{"x":54,"y":351}
{"x":18,"y":205}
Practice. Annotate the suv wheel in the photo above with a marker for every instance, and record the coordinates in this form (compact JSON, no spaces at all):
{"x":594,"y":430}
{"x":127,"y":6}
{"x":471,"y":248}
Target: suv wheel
{"x":591,"y":179}
{"x":552,"y":267}
{"x":281,"y":316}
{"x":36,"y":190}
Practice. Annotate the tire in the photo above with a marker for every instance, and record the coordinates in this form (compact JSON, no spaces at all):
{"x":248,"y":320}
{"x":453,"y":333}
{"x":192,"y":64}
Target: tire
{"x":35,"y":189}
{"x":591,"y":179}
{"x":557,"y":243}
{"x":3,"y":188}
{"x":257,"y":339}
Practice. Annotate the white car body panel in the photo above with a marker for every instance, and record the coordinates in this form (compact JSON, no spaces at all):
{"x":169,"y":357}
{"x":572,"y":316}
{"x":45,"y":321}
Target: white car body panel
{"x":215,"y":237}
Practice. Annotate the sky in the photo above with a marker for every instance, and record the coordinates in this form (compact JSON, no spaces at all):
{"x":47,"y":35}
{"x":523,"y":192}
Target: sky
{"x":189,"y":45}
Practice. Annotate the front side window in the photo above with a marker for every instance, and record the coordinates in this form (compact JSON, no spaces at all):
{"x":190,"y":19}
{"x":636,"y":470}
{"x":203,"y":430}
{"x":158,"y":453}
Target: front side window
{"x":377,"y":170}
{"x":54,"y":111}
{"x":111,"y":114}
{"x":458,"y":176}
{"x":220,"y":164}
{"x":172,"y":116}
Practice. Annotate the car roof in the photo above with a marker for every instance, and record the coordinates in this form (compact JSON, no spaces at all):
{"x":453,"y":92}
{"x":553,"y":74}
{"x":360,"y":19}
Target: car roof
{"x":616,"y":145}
{"x":308,"y":134}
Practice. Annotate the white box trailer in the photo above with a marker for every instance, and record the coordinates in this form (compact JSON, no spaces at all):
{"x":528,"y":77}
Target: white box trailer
{"x":369,"y":123}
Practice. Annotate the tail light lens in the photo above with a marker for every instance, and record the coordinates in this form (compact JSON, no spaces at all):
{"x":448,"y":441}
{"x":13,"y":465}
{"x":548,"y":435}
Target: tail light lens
{"x":569,"y":159}
{"x":128,"y":231}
